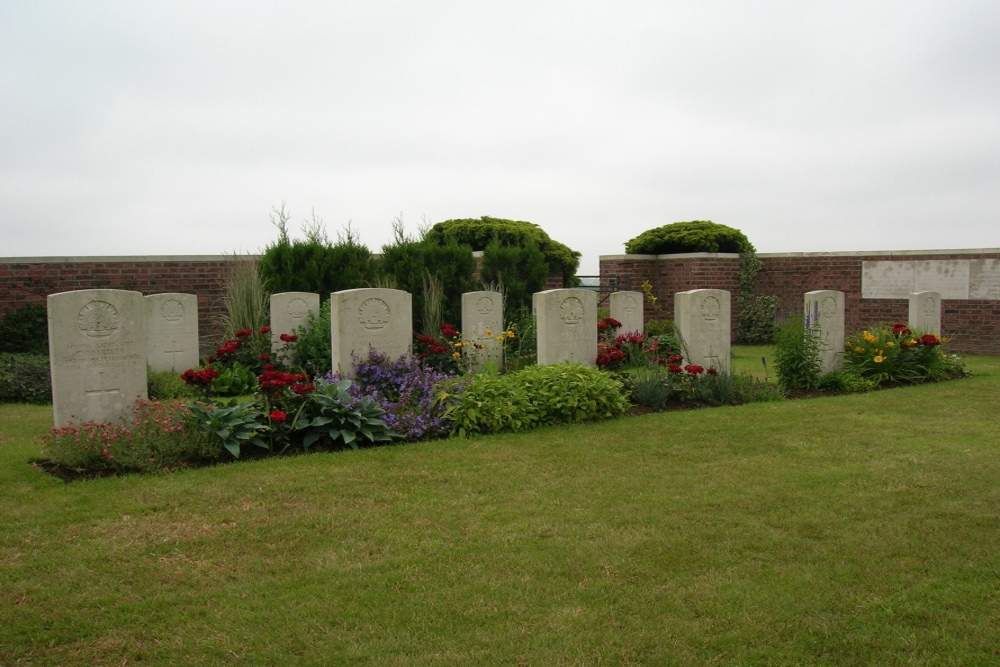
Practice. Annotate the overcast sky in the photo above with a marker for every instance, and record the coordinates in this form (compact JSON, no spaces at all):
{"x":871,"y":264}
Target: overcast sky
{"x":144,"y":127}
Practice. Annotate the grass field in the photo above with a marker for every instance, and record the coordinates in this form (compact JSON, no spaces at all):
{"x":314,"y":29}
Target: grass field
{"x":854,"y":530}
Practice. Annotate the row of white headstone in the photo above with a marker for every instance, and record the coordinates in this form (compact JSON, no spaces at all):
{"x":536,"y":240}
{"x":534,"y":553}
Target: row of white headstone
{"x":102,"y":341}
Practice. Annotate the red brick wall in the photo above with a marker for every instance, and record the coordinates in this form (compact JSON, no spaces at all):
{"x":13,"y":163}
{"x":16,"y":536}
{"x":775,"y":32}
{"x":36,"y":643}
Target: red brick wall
{"x":30,"y":280}
{"x":973,"y":325}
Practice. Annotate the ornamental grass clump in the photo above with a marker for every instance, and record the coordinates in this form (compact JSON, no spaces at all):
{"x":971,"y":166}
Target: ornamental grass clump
{"x":898,"y":355}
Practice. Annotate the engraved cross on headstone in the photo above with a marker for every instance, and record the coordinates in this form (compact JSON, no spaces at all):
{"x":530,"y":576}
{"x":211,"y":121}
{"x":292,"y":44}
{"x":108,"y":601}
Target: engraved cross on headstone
{"x":173,"y":353}
{"x":101,"y":401}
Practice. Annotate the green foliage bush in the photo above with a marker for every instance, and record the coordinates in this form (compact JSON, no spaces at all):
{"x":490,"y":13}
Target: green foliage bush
{"x":796,"y":355}
{"x":25,"y":378}
{"x":25,"y":330}
{"x":313,"y":349}
{"x":314,"y":264}
{"x":756,"y":312}
{"x":479,"y":233}
{"x":535,"y":396}
{"x":694,"y":236}
{"x":407,"y":263}
{"x":230,"y":424}
{"x":331,"y":416}
{"x":166,"y":385}
{"x":521,"y":270}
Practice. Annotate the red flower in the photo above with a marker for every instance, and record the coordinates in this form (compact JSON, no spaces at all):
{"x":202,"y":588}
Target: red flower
{"x":229,"y":347}
{"x":694,"y":370}
{"x":288,"y":338}
{"x":303,"y":389}
{"x":202,"y":377}
{"x":675,"y":358}
{"x":930,"y":340}
{"x":674,"y":368}
{"x":899,"y":329}
{"x":243,"y":333}
{"x":712,"y":371}
{"x":278,"y":416}
{"x":268,"y":367}
{"x":265,"y":356}
{"x":265,"y":330}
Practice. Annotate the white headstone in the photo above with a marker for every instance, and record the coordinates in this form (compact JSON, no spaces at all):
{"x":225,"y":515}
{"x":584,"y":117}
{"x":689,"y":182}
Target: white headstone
{"x":369,"y":319}
{"x":97,"y":354}
{"x":824,"y":310}
{"x":703,"y":318}
{"x":626,"y":307}
{"x":289,"y":311}
{"x":172,"y":332}
{"x":925,"y":312}
{"x":567,"y":326}
{"x":482,"y":323}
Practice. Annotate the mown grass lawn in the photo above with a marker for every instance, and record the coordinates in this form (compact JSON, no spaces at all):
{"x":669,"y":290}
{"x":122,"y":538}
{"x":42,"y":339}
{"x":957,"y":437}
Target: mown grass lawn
{"x":861,"y":529}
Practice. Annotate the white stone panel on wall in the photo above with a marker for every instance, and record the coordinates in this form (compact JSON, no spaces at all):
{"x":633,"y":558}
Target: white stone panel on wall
{"x":948,"y":277}
{"x":984,"y":279}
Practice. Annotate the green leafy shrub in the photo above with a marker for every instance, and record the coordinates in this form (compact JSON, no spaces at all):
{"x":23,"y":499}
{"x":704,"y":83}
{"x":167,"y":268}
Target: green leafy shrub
{"x":895,"y":354}
{"x":25,"y":330}
{"x":313,"y":349}
{"x":751,"y":390}
{"x":25,"y":378}
{"x":409,"y":263}
{"x":797,"y":355}
{"x":315,"y":264}
{"x":479,"y":233}
{"x":757,"y":313}
{"x":694,"y":236}
{"x":166,"y":385}
{"x":535,"y":396}
{"x":333,"y":417}
{"x":230,"y":424}
{"x":521,"y":348}
{"x":521,"y":270}
{"x":660,"y":328}
{"x":846,"y":381}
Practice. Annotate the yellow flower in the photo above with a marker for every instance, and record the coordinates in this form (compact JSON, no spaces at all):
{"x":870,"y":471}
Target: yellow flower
{"x":868,"y":336}
{"x":878,"y":359}
{"x":456,"y":354}
{"x":859,"y":349}
{"x":500,"y":338}
{"x":459,"y":344}
{"x":510,"y":334}
{"x":890,"y":344}
{"x":489,"y":334}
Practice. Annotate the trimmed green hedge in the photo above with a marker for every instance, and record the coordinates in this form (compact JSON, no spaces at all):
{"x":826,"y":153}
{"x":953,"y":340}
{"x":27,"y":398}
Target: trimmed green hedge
{"x":694,"y":236}
{"x":479,"y":233}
